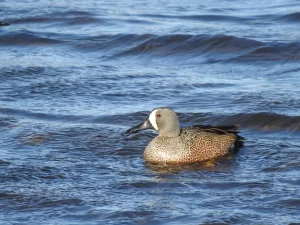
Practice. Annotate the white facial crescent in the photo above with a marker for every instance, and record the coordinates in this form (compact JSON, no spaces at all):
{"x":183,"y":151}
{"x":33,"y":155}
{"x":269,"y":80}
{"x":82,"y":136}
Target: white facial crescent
{"x":152,"y":119}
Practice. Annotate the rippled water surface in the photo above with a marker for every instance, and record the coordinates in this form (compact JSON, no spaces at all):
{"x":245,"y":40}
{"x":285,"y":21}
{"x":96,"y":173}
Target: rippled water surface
{"x":75,"y":75}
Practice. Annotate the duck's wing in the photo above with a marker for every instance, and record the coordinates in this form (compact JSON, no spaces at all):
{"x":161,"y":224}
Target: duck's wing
{"x":219,"y":129}
{"x":223,"y":129}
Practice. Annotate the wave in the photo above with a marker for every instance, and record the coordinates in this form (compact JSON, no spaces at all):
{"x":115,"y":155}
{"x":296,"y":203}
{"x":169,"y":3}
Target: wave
{"x":290,"y":17}
{"x":212,"y":48}
{"x":20,"y":113}
{"x":3,"y":23}
{"x":192,"y":45}
{"x":63,"y":21}
{"x":59,"y":21}
{"x":225,"y":18}
{"x":10,"y":116}
{"x":179,"y":47}
{"x":202,"y":17}
{"x":75,"y":18}
{"x":65,"y":18}
{"x":26,"y":38}
{"x":263,"y":121}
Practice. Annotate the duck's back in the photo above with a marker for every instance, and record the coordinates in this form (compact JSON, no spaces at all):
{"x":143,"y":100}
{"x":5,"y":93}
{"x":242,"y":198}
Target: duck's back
{"x":194,"y":144}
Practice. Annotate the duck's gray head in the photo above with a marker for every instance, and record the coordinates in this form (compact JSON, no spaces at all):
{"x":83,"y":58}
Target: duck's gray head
{"x":164,"y":120}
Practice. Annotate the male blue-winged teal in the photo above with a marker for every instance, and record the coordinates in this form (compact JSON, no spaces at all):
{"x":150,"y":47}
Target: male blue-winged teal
{"x":192,"y":144}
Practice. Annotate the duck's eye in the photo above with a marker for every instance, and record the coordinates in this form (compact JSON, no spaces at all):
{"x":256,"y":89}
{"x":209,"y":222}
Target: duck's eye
{"x":158,"y":115}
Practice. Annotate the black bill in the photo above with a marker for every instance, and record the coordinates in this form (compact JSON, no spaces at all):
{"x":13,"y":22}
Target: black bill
{"x":142,"y":126}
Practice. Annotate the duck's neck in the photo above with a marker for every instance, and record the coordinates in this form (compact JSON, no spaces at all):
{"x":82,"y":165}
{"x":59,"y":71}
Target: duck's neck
{"x":170,"y":131}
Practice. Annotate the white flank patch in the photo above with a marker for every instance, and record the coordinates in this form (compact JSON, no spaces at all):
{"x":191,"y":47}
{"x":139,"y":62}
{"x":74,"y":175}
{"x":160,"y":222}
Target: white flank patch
{"x":152,"y":119}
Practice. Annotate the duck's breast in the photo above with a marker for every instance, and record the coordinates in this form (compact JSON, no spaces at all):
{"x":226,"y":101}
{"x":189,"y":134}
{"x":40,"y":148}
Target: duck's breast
{"x":166,"y":149}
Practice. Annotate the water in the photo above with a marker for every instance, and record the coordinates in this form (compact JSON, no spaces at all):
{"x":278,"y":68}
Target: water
{"x":76,"y":74}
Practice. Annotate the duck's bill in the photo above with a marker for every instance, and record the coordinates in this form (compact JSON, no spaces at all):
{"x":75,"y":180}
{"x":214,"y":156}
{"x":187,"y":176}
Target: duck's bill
{"x":142,"y":126}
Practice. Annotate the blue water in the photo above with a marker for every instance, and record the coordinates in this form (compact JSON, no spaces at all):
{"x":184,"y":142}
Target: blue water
{"x":75,"y":75}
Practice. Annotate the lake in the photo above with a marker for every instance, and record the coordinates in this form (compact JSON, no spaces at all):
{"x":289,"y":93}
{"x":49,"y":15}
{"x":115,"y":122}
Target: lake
{"x":75,"y":75}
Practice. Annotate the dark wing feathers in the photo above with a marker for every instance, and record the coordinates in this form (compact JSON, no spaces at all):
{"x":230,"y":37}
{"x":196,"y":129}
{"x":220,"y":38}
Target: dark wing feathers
{"x":221,"y":130}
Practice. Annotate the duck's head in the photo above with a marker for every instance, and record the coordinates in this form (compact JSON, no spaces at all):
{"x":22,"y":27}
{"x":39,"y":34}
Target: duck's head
{"x":164,"y":120}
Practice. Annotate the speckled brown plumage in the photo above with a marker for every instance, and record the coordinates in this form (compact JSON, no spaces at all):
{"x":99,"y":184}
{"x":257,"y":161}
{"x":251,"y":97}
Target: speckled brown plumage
{"x":192,"y":144}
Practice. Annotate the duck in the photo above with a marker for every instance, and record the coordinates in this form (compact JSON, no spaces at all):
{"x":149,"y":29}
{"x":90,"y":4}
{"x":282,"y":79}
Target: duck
{"x":175,"y":145}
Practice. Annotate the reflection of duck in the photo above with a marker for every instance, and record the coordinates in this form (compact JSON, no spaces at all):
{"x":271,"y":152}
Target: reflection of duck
{"x":192,"y":144}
